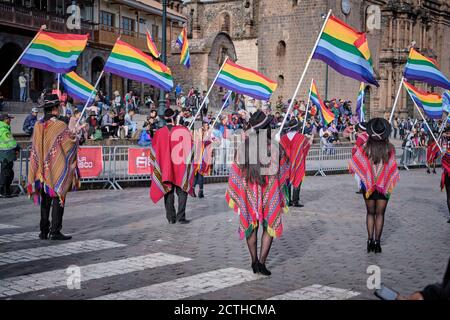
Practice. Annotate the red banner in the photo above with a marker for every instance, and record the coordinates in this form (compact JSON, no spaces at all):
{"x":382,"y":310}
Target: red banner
{"x":139,"y":161}
{"x":90,"y":161}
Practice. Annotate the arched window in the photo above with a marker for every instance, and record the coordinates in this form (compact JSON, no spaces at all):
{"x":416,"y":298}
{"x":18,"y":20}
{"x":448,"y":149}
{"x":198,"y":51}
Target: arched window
{"x":281,"y":49}
{"x":225,"y":22}
{"x":280,"y":81}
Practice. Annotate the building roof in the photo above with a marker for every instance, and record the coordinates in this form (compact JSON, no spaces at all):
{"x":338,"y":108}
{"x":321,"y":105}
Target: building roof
{"x":153,"y":7}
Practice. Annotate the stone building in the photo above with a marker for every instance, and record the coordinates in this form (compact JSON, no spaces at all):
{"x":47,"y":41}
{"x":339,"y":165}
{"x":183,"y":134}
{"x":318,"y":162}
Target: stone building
{"x":276,"y":37}
{"x":103,"y":20}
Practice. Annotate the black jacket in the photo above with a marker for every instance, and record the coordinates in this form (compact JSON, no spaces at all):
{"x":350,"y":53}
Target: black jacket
{"x":439,"y":291}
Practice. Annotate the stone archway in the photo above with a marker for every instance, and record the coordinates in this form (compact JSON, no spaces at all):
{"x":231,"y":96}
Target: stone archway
{"x":220,"y":47}
{"x":97,"y":65}
{"x":9,"y":53}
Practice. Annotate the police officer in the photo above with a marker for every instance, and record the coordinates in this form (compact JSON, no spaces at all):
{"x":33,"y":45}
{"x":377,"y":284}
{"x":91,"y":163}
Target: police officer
{"x":8,"y":153}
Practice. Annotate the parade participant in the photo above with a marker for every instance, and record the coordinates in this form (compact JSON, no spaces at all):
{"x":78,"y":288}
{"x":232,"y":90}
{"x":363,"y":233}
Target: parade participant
{"x":374,"y":163}
{"x":432,"y":155}
{"x":172,"y":167}
{"x":445,"y":181}
{"x":53,"y":168}
{"x":203,"y":156}
{"x":296,"y":146}
{"x":8,"y":154}
{"x":255,"y":188}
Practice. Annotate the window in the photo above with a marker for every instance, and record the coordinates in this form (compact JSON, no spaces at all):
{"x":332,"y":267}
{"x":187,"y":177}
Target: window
{"x":155,"y":31}
{"x":107,"y":19}
{"x":281,"y":49}
{"x":127,"y":25}
{"x":280,"y":81}
{"x":225,"y":22}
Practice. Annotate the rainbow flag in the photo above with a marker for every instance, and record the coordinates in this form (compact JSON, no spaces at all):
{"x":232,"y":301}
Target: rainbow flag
{"x":345,"y":50}
{"x":152,"y":46}
{"x":360,"y":107}
{"x":131,"y":63}
{"x":327,"y":115}
{"x":421,"y":68}
{"x":446,"y":101}
{"x":245,"y":81}
{"x":54,"y":52}
{"x":76,"y":87}
{"x":430,"y":103}
{"x":182,"y":41}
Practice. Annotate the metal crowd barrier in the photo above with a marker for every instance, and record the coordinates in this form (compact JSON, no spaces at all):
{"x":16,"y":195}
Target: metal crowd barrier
{"x":320,"y":161}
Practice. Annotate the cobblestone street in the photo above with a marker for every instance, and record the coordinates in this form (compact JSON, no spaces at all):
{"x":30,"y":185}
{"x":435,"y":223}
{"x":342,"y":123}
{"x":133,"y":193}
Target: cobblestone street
{"x":126,"y":249}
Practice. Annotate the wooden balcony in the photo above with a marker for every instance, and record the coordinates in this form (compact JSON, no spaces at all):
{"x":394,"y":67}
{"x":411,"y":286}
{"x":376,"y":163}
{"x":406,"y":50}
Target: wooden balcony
{"x":107,"y":35}
{"x":32,"y":19}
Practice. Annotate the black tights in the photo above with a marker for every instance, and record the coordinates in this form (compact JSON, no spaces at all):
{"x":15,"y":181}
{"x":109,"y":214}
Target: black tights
{"x":252,"y":243}
{"x":375,"y":217}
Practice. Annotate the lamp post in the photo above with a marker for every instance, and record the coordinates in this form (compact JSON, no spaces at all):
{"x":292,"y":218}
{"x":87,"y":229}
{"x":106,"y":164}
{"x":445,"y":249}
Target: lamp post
{"x":162,"y":100}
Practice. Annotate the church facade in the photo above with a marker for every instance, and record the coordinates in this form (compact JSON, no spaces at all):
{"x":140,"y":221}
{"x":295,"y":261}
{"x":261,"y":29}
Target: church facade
{"x":276,"y":38}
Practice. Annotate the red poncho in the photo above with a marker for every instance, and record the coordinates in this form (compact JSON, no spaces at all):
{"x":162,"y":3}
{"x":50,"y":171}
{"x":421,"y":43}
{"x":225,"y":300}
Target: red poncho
{"x":296,"y":151}
{"x":432,"y":152}
{"x":382,"y":178}
{"x":445,"y":167}
{"x":171,"y":156}
{"x":360,"y":141}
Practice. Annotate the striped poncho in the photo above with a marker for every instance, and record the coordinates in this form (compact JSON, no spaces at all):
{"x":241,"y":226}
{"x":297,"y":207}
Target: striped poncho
{"x":258,"y":204}
{"x":382,"y":178}
{"x":296,"y":150}
{"x":445,"y":167}
{"x":53,"y":161}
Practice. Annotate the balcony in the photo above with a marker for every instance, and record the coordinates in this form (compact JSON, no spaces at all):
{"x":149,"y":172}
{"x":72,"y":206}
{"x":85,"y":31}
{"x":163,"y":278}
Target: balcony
{"x":107,"y":35}
{"x":33,"y":19}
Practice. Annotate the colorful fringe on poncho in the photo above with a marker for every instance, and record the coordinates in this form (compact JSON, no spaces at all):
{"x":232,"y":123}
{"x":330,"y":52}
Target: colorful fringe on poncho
{"x":445,"y":167}
{"x":53,"y":161}
{"x":256,"y":204}
{"x":432,"y":153}
{"x":382,"y":178}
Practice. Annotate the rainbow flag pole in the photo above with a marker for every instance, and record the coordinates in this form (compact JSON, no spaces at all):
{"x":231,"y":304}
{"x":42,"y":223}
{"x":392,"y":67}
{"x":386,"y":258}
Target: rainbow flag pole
{"x":308,"y":62}
{"x":43,"y":27}
{"x":207,"y":94}
{"x":424,"y":120}
{"x":90,"y":96}
{"x":307,"y":106}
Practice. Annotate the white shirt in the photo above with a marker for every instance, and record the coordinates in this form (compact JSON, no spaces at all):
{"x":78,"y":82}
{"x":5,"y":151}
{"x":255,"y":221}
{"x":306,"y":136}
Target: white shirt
{"x":22,"y":82}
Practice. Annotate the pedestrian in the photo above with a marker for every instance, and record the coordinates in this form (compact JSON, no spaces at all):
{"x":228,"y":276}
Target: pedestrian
{"x":53,"y":168}
{"x":30,"y":121}
{"x":8,"y":154}
{"x":432,"y":155}
{"x":203,"y":156}
{"x":23,"y":87}
{"x":296,"y":146}
{"x":376,"y":167}
{"x":172,"y":171}
{"x":361,"y":139}
{"x":255,"y":189}
{"x":445,"y":180}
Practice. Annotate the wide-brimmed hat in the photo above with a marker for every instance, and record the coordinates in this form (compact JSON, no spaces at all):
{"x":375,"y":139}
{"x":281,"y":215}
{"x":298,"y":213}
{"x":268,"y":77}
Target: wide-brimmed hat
{"x":362,"y":126}
{"x":259,"y":120}
{"x":5,"y":116}
{"x":50,"y":101}
{"x":379,"y":129}
{"x":292,"y":125}
{"x":169,"y":114}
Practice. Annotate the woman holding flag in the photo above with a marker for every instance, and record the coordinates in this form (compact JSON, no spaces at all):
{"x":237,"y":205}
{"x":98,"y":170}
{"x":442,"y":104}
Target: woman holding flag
{"x":374,"y":164}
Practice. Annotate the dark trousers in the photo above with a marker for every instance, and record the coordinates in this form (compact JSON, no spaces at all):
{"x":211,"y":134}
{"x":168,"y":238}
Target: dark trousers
{"x":199,"y":179}
{"x":169,"y":203}
{"x":294,"y":193}
{"x":48,"y":203}
{"x":6,"y":177}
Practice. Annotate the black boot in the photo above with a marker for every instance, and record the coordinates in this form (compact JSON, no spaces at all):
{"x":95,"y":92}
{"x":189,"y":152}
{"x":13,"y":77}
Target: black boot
{"x":59,"y":236}
{"x":428,"y":171}
{"x":434,"y":171}
{"x":370,"y":246}
{"x":43,"y":235}
{"x":193,"y":193}
{"x":377,"y":246}
{"x":200,"y":194}
{"x":263,"y":270}
{"x":255,"y":267}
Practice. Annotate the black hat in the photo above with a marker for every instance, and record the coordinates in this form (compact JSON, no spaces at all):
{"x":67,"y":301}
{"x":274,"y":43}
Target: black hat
{"x":50,"y":101}
{"x":259,"y":120}
{"x":362,"y":126}
{"x":292,"y":125}
{"x":169,"y":114}
{"x":5,"y":116}
{"x":379,"y":129}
